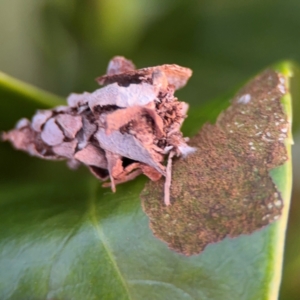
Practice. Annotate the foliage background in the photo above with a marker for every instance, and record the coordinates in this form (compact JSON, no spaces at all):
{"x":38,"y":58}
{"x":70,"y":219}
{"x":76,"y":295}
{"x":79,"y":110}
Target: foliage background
{"x":62,"y":46}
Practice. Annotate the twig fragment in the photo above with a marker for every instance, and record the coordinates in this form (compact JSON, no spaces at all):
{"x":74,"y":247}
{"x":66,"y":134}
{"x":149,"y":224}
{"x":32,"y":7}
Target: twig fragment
{"x":168,"y":179}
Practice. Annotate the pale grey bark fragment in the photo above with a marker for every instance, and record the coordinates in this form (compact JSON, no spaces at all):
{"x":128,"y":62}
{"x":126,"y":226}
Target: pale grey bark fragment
{"x":51,"y":134}
{"x":70,"y":124}
{"x":113,"y":94}
{"x":22,"y":123}
{"x":65,"y":149}
{"x":92,"y":156}
{"x":76,"y":100}
{"x":85,"y":133}
{"x":40,"y":118}
{"x":128,"y":146}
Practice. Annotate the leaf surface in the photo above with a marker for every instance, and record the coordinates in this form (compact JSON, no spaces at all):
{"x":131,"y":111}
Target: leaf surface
{"x":62,"y":236}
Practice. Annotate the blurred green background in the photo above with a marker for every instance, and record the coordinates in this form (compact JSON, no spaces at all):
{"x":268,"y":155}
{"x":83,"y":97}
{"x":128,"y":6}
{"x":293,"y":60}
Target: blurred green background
{"x":62,"y":45}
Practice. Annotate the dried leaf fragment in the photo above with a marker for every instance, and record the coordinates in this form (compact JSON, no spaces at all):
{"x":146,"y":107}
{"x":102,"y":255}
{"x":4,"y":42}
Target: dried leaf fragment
{"x":224,"y":188}
{"x":119,"y":131}
{"x":127,"y":145}
{"x":119,"y":65}
{"x":121,"y":117}
{"x":113,"y":94}
{"x":52,"y":134}
{"x":176,"y":76}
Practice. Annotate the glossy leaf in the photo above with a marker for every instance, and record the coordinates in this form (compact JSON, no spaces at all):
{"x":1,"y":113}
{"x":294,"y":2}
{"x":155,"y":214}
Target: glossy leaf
{"x":62,"y":236}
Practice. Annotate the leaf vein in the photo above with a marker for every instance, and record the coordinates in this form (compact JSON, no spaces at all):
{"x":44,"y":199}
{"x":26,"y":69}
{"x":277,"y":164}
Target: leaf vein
{"x":101,"y":236}
{"x":167,"y":284}
{"x":56,"y":256}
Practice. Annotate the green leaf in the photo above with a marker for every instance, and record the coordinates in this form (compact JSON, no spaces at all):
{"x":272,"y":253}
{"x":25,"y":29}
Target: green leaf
{"x":62,"y":236}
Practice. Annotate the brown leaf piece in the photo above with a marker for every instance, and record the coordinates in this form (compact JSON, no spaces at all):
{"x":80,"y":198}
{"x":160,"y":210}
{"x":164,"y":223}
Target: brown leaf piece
{"x":121,"y":117}
{"x":92,"y":156}
{"x":127,"y":145}
{"x":118,"y":65}
{"x":224,"y":188}
{"x":69,"y":124}
{"x":119,"y":131}
{"x":176,"y":76}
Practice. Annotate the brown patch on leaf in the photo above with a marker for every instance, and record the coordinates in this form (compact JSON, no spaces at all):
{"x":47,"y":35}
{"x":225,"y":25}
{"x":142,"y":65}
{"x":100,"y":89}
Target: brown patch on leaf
{"x":224,"y":188}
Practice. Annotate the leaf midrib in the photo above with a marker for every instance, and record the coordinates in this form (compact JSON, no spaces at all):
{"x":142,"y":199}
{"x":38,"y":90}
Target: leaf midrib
{"x":95,"y":222}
